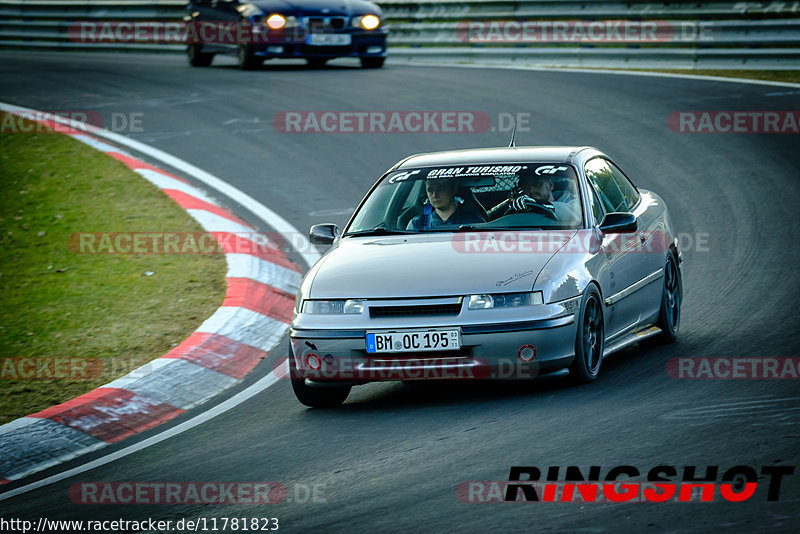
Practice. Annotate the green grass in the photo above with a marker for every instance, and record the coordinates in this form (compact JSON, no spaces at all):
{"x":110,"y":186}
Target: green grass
{"x":54,"y":303}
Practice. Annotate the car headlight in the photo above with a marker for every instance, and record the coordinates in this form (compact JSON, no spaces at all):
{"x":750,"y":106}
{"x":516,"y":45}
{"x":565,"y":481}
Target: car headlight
{"x":504,"y":300}
{"x":276,"y":21}
{"x":333,"y":307}
{"x":368,"y":22}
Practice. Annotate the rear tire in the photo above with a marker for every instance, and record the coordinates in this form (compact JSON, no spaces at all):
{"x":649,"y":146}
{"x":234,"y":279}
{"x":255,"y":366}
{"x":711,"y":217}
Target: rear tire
{"x":669,"y":316}
{"x":247,"y":58}
{"x":198,"y":58}
{"x":590,"y":339}
{"x":372,"y":62}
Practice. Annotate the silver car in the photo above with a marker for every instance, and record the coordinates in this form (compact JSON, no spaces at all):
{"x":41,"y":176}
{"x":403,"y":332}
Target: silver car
{"x":498,"y":263}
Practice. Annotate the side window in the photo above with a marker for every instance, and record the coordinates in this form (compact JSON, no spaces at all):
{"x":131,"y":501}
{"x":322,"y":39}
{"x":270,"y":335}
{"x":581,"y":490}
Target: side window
{"x":625,"y":186}
{"x":602,"y":179}
{"x":597,"y":208}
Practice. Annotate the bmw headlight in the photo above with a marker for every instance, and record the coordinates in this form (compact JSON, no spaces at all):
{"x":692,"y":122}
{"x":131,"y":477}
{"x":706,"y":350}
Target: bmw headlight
{"x":276,"y":21}
{"x":504,"y":300}
{"x":333,"y":307}
{"x":367,"y":22}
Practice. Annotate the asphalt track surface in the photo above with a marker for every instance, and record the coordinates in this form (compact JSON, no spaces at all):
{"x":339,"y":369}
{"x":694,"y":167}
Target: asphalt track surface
{"x":392,"y":457}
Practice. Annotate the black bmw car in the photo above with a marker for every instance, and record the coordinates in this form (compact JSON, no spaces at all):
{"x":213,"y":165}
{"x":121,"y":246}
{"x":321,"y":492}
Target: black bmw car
{"x":315,"y":30}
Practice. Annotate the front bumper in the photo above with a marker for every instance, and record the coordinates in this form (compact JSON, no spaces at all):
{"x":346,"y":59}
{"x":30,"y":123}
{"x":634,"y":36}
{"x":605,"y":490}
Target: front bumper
{"x":363,"y":44}
{"x":488,"y":351}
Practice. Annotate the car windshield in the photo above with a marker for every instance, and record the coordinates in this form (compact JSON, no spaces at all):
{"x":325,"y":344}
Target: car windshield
{"x":472,"y":198}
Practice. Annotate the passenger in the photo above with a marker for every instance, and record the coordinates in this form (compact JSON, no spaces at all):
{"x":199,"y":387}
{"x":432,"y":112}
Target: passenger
{"x":443,"y":210}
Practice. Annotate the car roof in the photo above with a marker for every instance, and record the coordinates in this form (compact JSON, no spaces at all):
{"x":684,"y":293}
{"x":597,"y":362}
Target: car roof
{"x":493,"y":155}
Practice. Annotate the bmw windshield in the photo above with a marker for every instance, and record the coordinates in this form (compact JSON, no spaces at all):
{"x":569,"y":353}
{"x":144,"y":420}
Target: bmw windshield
{"x":472,"y":197}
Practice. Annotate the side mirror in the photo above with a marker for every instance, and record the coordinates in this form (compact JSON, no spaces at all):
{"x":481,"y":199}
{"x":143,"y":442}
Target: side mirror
{"x":323,"y":234}
{"x":618,"y":223}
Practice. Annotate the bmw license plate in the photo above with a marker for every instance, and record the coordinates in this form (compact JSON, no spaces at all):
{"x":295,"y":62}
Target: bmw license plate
{"x":413,"y":341}
{"x":329,"y":39}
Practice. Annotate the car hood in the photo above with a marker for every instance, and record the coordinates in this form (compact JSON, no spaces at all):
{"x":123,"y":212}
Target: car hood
{"x":317,"y":7}
{"x":433,"y":265}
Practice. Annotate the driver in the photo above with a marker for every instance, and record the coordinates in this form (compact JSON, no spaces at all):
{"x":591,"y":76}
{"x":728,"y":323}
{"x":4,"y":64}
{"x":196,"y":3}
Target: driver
{"x":443,"y":210}
{"x":538,"y":189}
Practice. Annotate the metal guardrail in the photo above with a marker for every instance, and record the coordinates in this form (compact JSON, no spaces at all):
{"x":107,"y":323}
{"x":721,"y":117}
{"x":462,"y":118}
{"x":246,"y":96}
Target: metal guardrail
{"x":722,"y":34}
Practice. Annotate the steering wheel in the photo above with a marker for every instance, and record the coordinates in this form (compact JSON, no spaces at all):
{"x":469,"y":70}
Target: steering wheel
{"x":524,"y":203}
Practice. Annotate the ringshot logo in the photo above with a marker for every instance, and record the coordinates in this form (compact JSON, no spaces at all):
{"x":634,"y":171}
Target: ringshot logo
{"x":399,"y":121}
{"x":735,"y":122}
{"x":582,"y":31}
{"x":530,"y":484}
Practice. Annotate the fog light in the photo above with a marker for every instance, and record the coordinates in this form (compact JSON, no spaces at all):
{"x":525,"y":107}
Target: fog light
{"x":275,"y":49}
{"x":313,"y":361}
{"x":526,"y":353}
{"x":374,"y":49}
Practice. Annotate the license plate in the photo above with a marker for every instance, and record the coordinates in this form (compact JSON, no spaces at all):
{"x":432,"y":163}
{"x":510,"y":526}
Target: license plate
{"x":329,"y":39}
{"x":416,"y":341}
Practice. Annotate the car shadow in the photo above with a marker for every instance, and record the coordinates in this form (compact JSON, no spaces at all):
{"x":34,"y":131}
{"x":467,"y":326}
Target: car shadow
{"x":293,"y":67}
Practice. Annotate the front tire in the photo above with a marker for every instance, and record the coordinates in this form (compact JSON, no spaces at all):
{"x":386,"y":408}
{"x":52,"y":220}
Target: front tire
{"x":590,"y":339}
{"x":372,"y":62}
{"x":247,"y":58}
{"x":316,"y":62}
{"x":198,"y":58}
{"x":669,"y":316}
{"x":324,"y":397}
{"x":319,"y":397}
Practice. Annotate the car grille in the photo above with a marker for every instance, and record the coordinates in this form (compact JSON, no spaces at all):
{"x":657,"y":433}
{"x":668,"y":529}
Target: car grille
{"x":321,"y":24}
{"x":415,"y":311}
